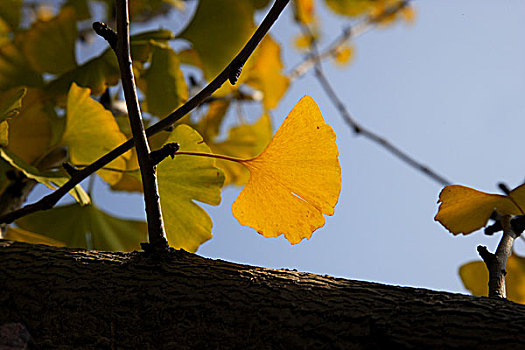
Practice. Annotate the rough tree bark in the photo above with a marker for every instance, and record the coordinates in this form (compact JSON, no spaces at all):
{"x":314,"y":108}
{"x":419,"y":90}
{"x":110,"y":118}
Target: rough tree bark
{"x":69,"y":298}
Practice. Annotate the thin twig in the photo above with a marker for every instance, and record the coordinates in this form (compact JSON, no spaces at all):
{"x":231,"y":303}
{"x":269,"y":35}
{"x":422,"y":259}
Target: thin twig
{"x":348,"y":32}
{"x":360,"y":130}
{"x":148,"y":170}
{"x":50,"y":200}
{"x":496,"y":263}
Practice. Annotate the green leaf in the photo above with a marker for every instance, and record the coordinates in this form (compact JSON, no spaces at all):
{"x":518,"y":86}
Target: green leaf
{"x":163,"y":82}
{"x":91,"y":131}
{"x":218,"y":31}
{"x":86,"y":227}
{"x":21,"y":235}
{"x":97,"y":74}
{"x":50,"y":45}
{"x":51,"y":179}
{"x":30,"y":133}
{"x":182,"y":181}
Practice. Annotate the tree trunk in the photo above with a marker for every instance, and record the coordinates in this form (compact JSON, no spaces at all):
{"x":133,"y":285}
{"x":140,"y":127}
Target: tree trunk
{"x":70,"y":298}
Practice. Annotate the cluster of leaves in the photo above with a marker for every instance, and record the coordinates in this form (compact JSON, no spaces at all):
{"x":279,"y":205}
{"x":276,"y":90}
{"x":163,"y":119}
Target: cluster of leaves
{"x":464,"y":210}
{"x":54,"y":109}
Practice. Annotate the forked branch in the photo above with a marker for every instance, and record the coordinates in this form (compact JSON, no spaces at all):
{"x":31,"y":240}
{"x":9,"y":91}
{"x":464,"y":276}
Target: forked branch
{"x":50,"y":200}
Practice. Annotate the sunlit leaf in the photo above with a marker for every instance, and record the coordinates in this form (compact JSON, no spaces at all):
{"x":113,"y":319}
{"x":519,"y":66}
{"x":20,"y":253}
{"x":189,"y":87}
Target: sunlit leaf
{"x":50,"y":45}
{"x":86,"y":227}
{"x":163,"y":82}
{"x":353,"y":8}
{"x":465,"y":210}
{"x":295,"y":180}
{"x":4,"y":131}
{"x":30,"y":133}
{"x":91,"y":131}
{"x":183,"y":181}
{"x":344,"y":55}
{"x":218,"y":31}
{"x":304,"y":11}
{"x":21,"y":235}
{"x":265,"y":72}
{"x":51,"y":179}
{"x":475,"y":277}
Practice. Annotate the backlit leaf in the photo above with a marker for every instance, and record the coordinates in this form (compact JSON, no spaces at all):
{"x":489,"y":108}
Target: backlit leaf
{"x":163,"y":82}
{"x":344,"y":55}
{"x":51,"y":179}
{"x":91,"y":131}
{"x":86,"y":227}
{"x":295,"y":180}
{"x":218,"y":31}
{"x":182,"y":181}
{"x":265,"y":72}
{"x":465,"y":210}
{"x":20,"y":235}
{"x":50,"y":45}
{"x":475,"y":277}
{"x":30,"y":133}
{"x":304,"y":11}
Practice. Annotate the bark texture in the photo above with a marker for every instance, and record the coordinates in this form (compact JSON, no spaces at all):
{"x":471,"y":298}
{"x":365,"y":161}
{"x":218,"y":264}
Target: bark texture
{"x":82,"y":299}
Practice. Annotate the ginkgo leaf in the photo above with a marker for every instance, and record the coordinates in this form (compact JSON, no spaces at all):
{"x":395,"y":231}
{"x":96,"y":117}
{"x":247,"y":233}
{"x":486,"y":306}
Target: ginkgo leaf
{"x":50,"y":45}
{"x":51,"y":179}
{"x":86,"y":227}
{"x":163,"y":82}
{"x":208,"y":29}
{"x":15,"y":69}
{"x":265,"y":72}
{"x":11,"y":102}
{"x":353,"y":8}
{"x":20,"y":235}
{"x":465,"y":210}
{"x":91,"y":131}
{"x":475,"y":276}
{"x":344,"y":55}
{"x":304,"y":11}
{"x":30,"y":133}
{"x":11,"y":11}
{"x":182,"y":181}
{"x":295,"y":180}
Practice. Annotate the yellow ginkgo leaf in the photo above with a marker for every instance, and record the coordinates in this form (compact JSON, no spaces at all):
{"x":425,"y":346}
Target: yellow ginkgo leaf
{"x":465,"y":210}
{"x":304,"y":11}
{"x":344,"y":55}
{"x":90,"y":132}
{"x":20,"y":235}
{"x":295,"y":180}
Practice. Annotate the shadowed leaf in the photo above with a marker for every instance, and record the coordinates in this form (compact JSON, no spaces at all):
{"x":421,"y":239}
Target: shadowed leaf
{"x":86,"y":227}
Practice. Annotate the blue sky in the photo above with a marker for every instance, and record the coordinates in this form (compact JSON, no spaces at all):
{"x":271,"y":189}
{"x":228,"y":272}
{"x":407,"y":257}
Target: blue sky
{"x":449,"y":91}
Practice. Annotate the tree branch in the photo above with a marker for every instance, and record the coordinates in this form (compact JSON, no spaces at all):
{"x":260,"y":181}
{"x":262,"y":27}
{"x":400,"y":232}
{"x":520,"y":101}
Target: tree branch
{"x":148,"y":171}
{"x":349,"y":32}
{"x":497,"y":262}
{"x":50,"y":200}
{"x":360,"y":130}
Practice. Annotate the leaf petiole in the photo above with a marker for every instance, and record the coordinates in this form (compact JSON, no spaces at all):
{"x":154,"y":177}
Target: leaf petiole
{"x":211,"y":155}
